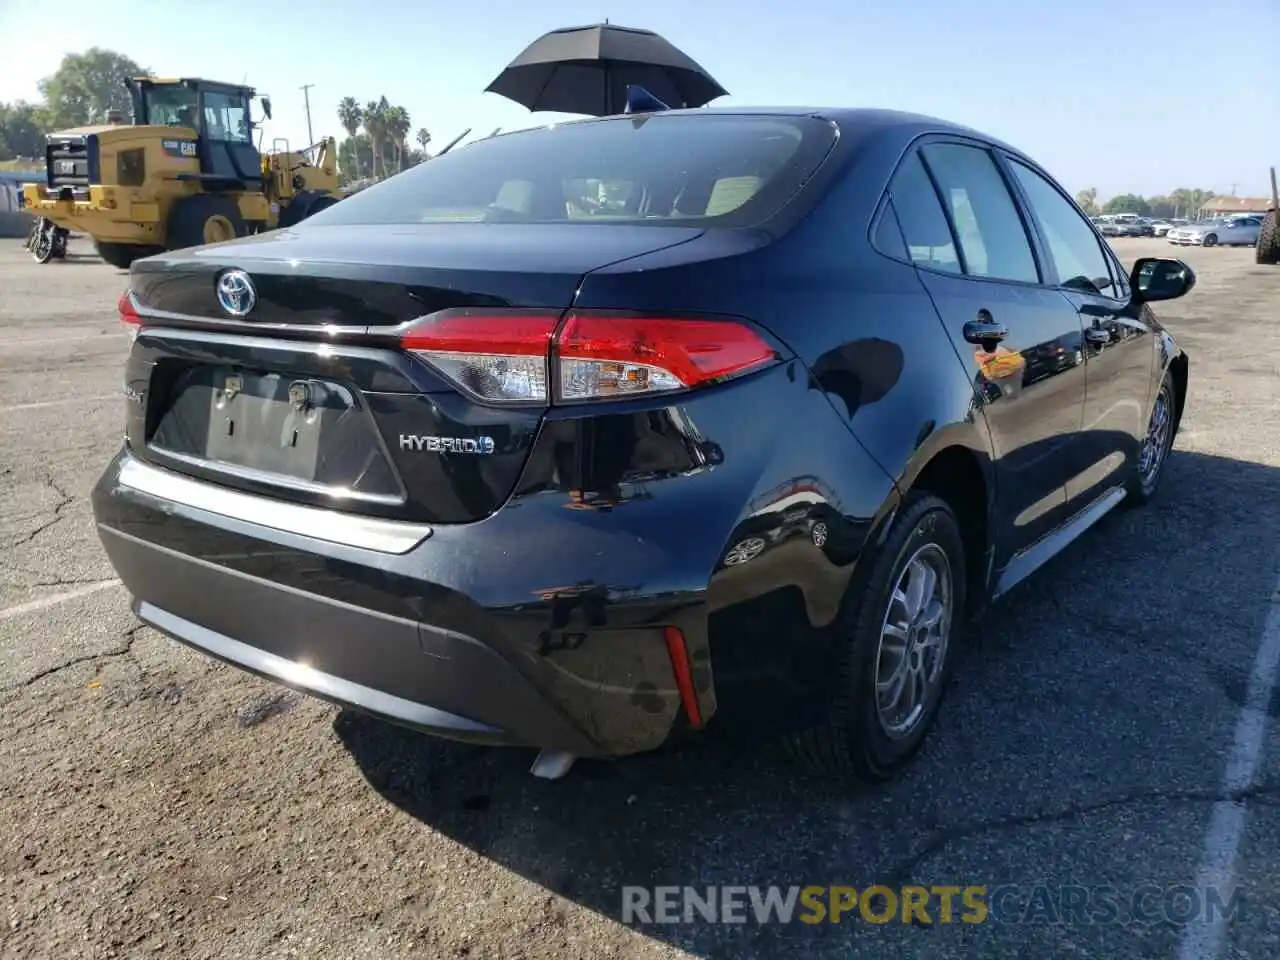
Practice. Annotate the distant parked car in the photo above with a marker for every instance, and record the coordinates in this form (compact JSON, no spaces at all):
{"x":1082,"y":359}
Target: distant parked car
{"x":1229,"y":232}
{"x":1124,"y":228}
{"x":1160,"y":228}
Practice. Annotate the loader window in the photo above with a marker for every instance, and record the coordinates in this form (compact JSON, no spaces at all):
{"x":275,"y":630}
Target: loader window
{"x":226,"y":117}
{"x":171,"y":106}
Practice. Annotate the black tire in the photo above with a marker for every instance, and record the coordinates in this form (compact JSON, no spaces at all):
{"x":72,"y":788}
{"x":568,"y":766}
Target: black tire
{"x":1210,"y":241}
{"x":305,"y":205}
{"x":1144,"y":481}
{"x":854,"y":741}
{"x":1268,"y":246}
{"x":122,"y":255}
{"x":42,"y":245}
{"x":187,"y":219}
{"x":321,"y":203}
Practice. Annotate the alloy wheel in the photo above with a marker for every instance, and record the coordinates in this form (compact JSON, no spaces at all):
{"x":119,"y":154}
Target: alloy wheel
{"x":1156,"y":444}
{"x":913,"y":641}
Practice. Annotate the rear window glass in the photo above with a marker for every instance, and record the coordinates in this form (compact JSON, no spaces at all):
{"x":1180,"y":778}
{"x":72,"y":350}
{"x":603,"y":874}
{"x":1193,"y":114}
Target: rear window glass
{"x":683,"y":170}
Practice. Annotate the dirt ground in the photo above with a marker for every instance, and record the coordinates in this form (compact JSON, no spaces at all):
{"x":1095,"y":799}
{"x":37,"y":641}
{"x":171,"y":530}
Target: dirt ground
{"x":154,"y":803}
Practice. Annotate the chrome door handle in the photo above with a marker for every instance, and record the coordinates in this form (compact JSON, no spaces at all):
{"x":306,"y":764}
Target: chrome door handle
{"x":985,"y":330}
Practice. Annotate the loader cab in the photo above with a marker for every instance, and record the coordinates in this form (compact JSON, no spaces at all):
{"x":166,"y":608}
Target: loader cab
{"x":220,"y":115}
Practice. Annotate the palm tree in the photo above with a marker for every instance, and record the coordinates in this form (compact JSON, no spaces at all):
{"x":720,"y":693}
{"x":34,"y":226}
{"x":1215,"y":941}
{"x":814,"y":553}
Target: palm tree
{"x":397,"y":121}
{"x":423,"y":137}
{"x":349,"y":115}
{"x":372,"y":116}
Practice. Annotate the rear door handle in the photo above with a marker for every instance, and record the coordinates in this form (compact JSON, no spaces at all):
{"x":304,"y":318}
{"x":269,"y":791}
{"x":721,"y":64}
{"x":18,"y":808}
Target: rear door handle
{"x":985,"y":330}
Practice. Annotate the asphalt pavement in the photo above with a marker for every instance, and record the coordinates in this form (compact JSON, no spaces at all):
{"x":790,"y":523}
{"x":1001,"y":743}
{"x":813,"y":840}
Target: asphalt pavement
{"x":1109,"y":738}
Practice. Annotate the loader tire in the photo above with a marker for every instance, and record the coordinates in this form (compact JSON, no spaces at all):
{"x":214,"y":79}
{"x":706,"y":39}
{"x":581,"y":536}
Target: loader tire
{"x":122,"y":255}
{"x":203,"y":219}
{"x":303,"y":206}
{"x":1268,"y":247}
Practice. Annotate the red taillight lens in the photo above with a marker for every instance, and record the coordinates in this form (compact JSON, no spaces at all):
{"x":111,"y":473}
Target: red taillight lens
{"x":496,"y":356}
{"x":609,"y":356}
{"x":128,"y":314}
{"x":506,"y":357}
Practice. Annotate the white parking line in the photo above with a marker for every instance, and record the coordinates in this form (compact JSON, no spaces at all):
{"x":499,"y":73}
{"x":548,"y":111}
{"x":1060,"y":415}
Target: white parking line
{"x":1203,"y":940}
{"x":34,"y":606}
{"x":59,"y":403}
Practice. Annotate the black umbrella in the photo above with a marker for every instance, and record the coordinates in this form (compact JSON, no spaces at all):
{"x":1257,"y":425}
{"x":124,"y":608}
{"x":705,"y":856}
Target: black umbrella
{"x":587,"y":70}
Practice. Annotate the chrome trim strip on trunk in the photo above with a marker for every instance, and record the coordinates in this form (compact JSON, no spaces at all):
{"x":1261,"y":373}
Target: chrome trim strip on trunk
{"x":368,"y":533}
{"x":275,"y":479}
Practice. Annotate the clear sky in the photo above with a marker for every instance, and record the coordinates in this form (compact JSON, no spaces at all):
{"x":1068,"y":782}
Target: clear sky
{"x":1121,"y":96}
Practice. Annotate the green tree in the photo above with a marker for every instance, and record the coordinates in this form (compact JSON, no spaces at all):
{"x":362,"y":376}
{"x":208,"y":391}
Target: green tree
{"x":86,"y":85}
{"x":373,"y":117}
{"x":22,"y":128}
{"x":423,"y":136}
{"x":1161,"y":206}
{"x":355,"y":154}
{"x":397,"y":127}
{"x":1088,"y":201}
{"x":1127,"y":203}
{"x":1189,"y":201}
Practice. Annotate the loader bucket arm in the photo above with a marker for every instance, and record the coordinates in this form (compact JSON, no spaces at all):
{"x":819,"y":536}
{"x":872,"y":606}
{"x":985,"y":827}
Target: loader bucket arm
{"x":327,"y":156}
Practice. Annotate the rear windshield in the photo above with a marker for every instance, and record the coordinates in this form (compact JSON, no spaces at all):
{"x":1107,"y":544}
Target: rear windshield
{"x":684,"y":170}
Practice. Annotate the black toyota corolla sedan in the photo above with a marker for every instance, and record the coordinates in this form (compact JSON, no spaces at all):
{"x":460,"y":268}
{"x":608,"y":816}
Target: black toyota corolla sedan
{"x":592,"y":437}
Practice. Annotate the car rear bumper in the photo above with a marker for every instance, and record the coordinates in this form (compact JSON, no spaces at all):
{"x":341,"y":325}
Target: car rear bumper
{"x":359,"y":626}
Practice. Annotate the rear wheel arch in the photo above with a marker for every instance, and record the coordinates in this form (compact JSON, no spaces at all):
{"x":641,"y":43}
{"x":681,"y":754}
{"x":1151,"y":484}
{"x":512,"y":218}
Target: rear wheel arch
{"x":963,"y":478}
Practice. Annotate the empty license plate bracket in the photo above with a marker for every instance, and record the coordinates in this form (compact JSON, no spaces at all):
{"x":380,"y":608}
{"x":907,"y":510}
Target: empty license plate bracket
{"x":271,"y":422}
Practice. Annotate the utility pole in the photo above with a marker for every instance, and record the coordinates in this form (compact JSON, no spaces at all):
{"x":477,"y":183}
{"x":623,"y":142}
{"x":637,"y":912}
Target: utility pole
{"x":306,"y":96}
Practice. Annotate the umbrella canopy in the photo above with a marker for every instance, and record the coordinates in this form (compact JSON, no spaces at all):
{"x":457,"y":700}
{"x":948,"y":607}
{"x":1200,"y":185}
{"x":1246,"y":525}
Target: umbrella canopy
{"x":587,"y":70}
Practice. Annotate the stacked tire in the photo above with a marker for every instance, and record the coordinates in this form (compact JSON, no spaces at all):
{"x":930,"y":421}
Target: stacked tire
{"x":1268,"y":249}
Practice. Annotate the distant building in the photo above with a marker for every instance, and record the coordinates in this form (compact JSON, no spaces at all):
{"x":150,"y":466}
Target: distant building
{"x":1225,"y":206}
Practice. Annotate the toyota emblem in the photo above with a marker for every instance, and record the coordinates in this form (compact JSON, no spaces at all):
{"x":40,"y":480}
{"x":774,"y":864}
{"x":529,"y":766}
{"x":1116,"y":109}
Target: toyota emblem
{"x":236,"y":293}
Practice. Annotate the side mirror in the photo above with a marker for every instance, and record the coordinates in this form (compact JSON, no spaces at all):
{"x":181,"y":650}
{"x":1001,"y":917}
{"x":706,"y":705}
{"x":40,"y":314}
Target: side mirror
{"x":1157,"y":278}
{"x":266,"y":107}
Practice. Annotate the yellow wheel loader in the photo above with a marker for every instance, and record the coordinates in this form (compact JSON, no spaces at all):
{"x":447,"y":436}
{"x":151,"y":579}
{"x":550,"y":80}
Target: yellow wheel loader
{"x":186,"y":172}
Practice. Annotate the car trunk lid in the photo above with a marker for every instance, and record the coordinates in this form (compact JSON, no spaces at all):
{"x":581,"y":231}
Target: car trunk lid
{"x":308,"y":395}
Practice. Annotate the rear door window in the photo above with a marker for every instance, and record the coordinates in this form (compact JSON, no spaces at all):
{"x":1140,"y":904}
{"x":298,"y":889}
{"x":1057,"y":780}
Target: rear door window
{"x":986,"y":219}
{"x":924,"y":225}
{"x":888,"y":235}
{"x":713,"y":170}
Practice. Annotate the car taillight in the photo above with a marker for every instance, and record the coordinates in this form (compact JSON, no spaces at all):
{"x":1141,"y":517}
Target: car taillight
{"x":607,"y":356}
{"x":496,"y":356}
{"x":513,"y":357}
{"x":129,"y":314}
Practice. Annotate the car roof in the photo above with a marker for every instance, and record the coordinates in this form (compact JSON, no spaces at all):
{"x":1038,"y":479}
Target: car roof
{"x":865,"y":122}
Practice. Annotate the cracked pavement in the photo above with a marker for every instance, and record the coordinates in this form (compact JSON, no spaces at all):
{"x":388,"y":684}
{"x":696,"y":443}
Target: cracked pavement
{"x":158,"y":803}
